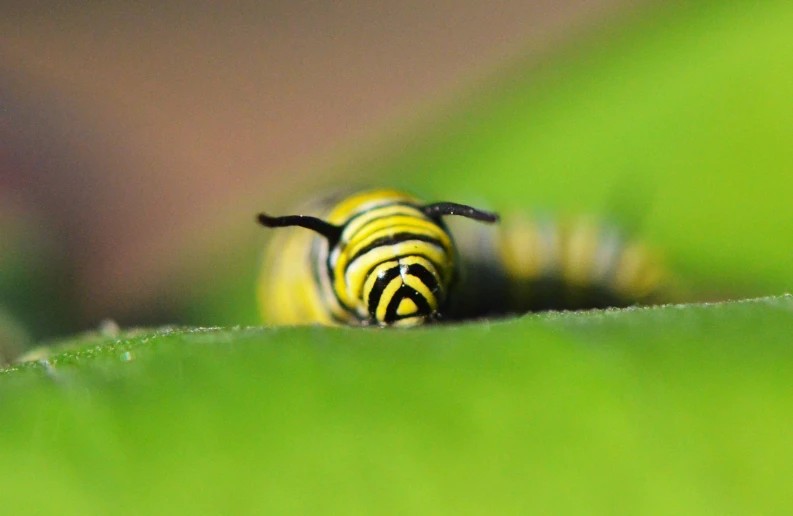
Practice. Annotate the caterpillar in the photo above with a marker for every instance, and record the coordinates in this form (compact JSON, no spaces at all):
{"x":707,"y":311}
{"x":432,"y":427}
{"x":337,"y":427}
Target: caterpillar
{"x":384,"y":257}
{"x":375,"y":257}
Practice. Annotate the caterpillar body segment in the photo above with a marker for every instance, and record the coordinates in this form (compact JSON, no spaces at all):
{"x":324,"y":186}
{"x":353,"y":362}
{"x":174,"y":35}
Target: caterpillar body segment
{"x":531,"y":264}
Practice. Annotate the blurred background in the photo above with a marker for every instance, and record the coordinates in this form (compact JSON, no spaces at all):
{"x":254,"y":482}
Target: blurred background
{"x":138,"y":139}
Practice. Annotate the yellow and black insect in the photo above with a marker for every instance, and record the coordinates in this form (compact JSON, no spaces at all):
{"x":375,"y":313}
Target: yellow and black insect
{"x":375,"y":257}
{"x":384,"y":257}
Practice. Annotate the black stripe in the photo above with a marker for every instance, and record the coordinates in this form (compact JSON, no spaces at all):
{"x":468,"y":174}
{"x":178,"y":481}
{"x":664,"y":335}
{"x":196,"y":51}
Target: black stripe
{"x":396,"y":238}
{"x":424,"y":276}
{"x":419,"y":214}
{"x":378,"y":288}
{"x":403,"y":292}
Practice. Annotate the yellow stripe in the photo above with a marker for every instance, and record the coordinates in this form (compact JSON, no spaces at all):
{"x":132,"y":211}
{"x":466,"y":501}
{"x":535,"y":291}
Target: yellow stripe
{"x":419,"y":286}
{"x":528,"y":249}
{"x":351,"y":230}
{"x":438,"y":296}
{"x":352,"y":280}
{"x":520,"y":249}
{"x":418,"y":260}
{"x":376,"y":224}
{"x":385,"y":299}
{"x":370,"y":281}
{"x":579,"y":251}
{"x":637,"y":275}
{"x":387,"y":231}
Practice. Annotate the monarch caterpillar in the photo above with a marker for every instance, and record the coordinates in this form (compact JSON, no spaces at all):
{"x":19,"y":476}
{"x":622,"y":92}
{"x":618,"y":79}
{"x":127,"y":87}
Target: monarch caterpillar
{"x":375,"y":257}
{"x":385,"y":257}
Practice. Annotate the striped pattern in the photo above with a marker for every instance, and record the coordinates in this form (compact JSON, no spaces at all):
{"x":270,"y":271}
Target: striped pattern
{"x":598,"y":265}
{"x":382,"y":257}
{"x":392,"y":265}
{"x":531,"y":264}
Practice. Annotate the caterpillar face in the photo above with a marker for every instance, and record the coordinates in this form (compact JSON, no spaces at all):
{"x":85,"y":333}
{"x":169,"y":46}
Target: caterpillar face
{"x":403,"y":292}
{"x":381,"y":257}
{"x":393,"y":264}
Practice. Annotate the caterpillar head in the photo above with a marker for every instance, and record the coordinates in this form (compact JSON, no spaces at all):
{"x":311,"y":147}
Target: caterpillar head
{"x":391,"y":263}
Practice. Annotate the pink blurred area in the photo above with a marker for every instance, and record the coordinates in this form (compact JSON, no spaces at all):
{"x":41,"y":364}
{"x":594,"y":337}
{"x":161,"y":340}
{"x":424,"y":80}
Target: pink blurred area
{"x":144,"y":136}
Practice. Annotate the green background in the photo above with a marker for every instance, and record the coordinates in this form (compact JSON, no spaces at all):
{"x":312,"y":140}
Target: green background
{"x":680,"y":116}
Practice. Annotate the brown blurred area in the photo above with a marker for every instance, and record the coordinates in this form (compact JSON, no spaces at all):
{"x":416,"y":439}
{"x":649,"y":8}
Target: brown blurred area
{"x":142,"y":133}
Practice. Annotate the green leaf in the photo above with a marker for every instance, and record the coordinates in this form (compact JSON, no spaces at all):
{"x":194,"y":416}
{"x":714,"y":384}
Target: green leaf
{"x":668,"y":410}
